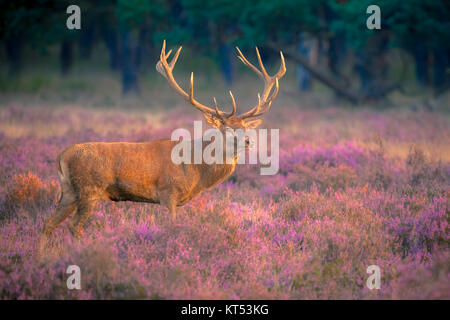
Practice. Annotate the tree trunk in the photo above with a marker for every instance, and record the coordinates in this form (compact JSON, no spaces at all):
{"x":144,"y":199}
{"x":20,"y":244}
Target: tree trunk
{"x":129,"y":74}
{"x":112,"y":43}
{"x":440,"y":64}
{"x":14,"y":46}
{"x":303,"y":76}
{"x":86,"y":42}
{"x":362,"y":61}
{"x":372,"y":66}
{"x":141,"y":47}
{"x":421,"y":64}
{"x":320,"y":75}
{"x":66,"y":56}
{"x":226,"y":62}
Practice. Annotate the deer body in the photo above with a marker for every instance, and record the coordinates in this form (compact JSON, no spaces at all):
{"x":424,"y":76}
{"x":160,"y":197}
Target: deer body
{"x":145,"y":172}
{"x":124,"y":171}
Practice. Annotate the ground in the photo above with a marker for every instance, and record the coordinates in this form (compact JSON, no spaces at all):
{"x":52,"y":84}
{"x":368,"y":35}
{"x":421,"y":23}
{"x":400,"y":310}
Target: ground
{"x":356,"y":187}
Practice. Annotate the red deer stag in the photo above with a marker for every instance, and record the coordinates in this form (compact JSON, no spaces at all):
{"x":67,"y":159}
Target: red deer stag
{"x":144,"y":172}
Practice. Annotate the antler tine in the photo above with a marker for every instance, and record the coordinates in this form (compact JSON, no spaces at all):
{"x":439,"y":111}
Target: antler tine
{"x":261,"y":109}
{"x":191,"y":89}
{"x":215,"y":105}
{"x":234,"y":106}
{"x":266,"y":105}
{"x":252,"y":111}
{"x":168,"y":54}
{"x":247,"y":63}
{"x":175,"y":57}
{"x":166,"y":70}
{"x":261,"y":65}
{"x":163,"y":50}
{"x":217,"y":112}
{"x":263,"y":104}
{"x":282,"y":70}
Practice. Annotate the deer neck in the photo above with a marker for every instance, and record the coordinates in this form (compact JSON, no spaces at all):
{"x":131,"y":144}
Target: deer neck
{"x":217,"y":173}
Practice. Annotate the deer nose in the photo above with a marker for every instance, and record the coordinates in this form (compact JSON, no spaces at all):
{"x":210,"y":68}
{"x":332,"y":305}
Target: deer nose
{"x":248,"y":142}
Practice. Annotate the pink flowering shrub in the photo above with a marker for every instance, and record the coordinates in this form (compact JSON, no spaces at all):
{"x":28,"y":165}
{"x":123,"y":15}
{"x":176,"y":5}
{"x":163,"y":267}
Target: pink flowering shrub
{"x":354,"y":189}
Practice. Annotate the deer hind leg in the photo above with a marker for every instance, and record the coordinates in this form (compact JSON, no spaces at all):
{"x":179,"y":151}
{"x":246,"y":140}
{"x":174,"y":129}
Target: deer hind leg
{"x":84,"y":210}
{"x":65,"y":208}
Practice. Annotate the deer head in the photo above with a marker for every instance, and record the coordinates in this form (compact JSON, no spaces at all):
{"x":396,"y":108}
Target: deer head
{"x":215,"y":117}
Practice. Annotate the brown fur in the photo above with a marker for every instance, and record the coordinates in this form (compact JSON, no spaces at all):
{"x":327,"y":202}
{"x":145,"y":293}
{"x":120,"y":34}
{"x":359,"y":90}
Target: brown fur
{"x":125,"y":171}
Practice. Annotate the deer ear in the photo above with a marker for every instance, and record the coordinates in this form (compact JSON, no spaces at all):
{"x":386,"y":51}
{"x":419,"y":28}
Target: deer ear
{"x":213,"y":121}
{"x":253,"y":124}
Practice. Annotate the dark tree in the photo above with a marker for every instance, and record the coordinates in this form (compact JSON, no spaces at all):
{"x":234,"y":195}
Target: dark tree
{"x":13,"y":46}
{"x":66,"y":56}
{"x":129,"y":75}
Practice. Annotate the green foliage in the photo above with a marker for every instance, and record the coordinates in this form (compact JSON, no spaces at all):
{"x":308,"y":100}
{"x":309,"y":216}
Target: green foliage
{"x":17,"y":16}
{"x":132,"y":12}
{"x":281,"y":20}
{"x":32,"y":84}
{"x":425,"y":20}
{"x":406,"y":21}
{"x":207,"y":25}
{"x":246,"y":22}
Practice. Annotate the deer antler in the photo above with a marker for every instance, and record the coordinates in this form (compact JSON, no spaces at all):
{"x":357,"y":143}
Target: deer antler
{"x":166,"y":68}
{"x":264,"y":101}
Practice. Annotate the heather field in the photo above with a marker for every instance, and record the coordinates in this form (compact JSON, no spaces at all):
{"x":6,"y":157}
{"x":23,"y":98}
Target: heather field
{"x":356,"y":187}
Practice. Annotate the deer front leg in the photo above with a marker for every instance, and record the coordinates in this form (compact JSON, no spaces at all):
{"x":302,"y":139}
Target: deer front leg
{"x":169,"y":200}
